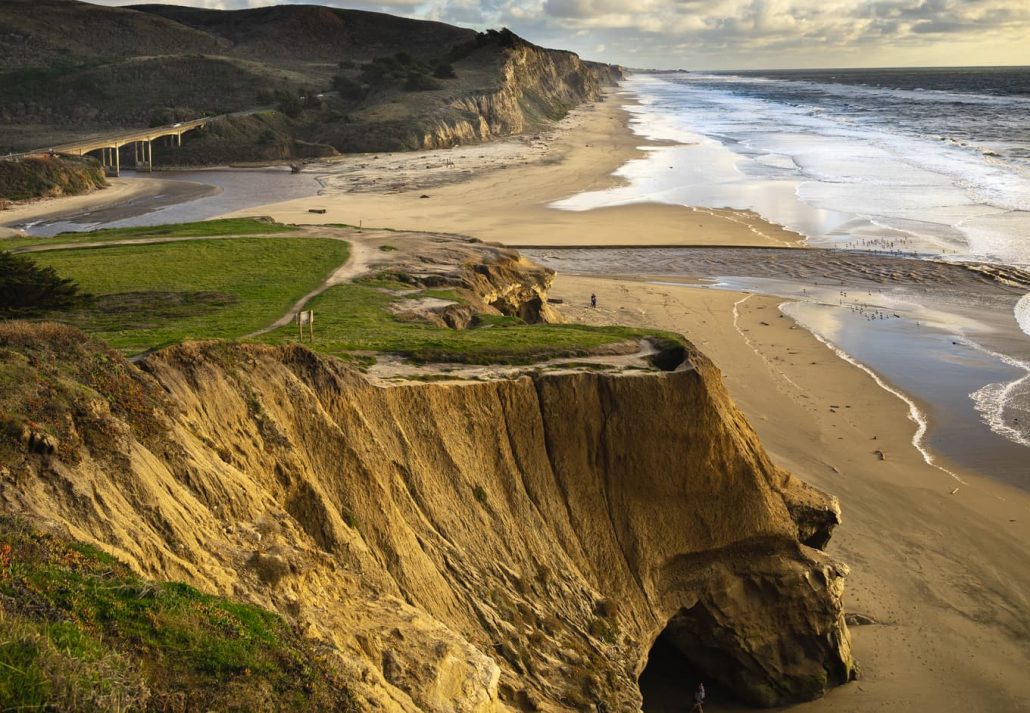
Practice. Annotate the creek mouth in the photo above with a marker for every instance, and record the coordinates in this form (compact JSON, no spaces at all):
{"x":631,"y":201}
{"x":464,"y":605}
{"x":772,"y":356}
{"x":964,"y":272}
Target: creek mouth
{"x":181,"y":197}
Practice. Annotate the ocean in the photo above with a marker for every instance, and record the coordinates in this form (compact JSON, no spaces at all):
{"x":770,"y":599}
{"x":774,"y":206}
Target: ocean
{"x":930,"y":163}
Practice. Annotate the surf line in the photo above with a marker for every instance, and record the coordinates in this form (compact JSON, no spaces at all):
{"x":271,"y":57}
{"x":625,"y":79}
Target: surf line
{"x":914,"y":414}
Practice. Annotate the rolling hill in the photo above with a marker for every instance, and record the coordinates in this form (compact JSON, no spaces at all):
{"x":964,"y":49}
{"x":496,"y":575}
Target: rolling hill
{"x":328,"y":80}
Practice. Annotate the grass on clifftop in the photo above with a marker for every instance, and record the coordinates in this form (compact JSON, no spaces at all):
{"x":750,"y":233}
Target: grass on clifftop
{"x":80,"y":632}
{"x":357,"y":317}
{"x":149,"y":296}
{"x":152,"y":295}
{"x":204,"y":228}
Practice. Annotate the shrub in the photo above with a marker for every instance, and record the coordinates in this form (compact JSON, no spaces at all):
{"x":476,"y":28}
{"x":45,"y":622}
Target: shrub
{"x":444,"y":71}
{"x":480,"y":493}
{"x":289,"y":103}
{"x":420,"y":82}
{"x":347,"y":87}
{"x":27,"y":288}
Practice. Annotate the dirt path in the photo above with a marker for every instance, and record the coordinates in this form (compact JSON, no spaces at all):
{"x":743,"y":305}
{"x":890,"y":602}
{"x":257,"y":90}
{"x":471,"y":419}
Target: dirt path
{"x":357,"y":264}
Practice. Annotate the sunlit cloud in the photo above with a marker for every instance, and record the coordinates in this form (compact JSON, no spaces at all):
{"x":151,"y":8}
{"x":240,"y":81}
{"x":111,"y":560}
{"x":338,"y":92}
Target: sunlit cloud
{"x":738,"y":33}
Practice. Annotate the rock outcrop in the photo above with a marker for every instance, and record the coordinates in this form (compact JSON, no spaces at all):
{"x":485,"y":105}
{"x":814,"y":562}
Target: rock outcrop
{"x":510,"y":545}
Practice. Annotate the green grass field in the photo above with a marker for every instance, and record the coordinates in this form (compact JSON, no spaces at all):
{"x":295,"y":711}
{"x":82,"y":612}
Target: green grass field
{"x":356,"y":318}
{"x":205,"y":228}
{"x":149,"y":296}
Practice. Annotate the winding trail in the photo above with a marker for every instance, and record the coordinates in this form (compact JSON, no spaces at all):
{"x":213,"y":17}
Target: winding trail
{"x":357,"y":264}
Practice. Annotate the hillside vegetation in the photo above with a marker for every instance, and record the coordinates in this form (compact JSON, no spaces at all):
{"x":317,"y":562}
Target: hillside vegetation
{"x":328,"y":80}
{"x":48,"y":177}
{"x":79,"y":631}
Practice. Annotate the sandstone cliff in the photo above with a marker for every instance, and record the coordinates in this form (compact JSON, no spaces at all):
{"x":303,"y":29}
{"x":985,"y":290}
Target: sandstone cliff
{"x":511,"y":545}
{"x":535,"y":85}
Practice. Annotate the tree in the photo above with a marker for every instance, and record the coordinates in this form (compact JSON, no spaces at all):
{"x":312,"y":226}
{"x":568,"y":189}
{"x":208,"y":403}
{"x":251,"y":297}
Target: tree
{"x":27,"y":287}
{"x":444,"y":71}
{"x":347,"y":87}
{"x":289,"y":103}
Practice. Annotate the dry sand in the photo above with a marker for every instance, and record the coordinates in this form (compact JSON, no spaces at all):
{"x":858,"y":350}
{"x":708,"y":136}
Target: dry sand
{"x":501,"y":192}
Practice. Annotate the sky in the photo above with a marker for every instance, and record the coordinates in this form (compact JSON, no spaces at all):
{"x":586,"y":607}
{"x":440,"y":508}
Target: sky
{"x":735,"y":34}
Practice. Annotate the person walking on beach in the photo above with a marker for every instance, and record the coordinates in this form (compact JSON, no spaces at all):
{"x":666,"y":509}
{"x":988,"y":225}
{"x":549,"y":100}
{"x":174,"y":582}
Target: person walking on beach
{"x":593,"y":300}
{"x":699,"y":698}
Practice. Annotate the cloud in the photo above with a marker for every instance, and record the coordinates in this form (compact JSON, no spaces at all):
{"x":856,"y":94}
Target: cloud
{"x":711,"y":33}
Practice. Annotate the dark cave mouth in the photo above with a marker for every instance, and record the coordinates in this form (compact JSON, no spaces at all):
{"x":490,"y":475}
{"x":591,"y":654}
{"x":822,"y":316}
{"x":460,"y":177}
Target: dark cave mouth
{"x":686,"y":653}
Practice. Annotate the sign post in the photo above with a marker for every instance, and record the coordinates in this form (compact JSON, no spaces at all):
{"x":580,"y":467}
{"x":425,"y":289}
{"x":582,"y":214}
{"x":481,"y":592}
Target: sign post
{"x":306,"y":317}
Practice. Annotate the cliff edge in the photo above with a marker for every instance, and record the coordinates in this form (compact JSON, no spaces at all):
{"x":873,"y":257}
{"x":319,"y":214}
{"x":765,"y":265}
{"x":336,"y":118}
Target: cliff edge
{"x":516,"y":544}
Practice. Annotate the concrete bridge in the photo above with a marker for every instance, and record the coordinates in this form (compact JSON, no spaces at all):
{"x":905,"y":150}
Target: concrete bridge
{"x":142,"y":142}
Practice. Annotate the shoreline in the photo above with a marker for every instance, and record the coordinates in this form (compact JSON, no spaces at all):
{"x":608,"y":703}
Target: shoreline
{"x":824,"y":419}
{"x":897,"y":511}
{"x":508,"y":199}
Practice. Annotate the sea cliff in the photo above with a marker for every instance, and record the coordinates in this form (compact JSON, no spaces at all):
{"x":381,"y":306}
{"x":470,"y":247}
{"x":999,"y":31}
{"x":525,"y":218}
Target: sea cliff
{"x":517,"y":544}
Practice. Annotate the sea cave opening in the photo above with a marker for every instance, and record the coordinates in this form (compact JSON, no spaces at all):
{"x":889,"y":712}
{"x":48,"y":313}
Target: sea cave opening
{"x":686,"y":653}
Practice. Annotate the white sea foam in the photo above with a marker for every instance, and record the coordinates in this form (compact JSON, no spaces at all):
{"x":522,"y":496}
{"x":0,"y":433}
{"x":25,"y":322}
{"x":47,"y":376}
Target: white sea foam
{"x":994,"y":400}
{"x":953,"y":188}
{"x":1023,"y":313}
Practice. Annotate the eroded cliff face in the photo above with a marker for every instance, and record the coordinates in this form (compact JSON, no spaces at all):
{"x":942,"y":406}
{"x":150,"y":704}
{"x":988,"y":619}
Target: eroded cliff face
{"x":516,"y":544}
{"x":535,"y":86}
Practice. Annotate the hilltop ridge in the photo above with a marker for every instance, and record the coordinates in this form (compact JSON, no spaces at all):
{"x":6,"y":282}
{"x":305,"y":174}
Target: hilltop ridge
{"x":324,"y":80}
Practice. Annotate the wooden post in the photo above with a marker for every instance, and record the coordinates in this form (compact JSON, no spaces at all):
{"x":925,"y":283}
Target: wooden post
{"x":117,"y":160}
{"x":150,"y":156}
{"x":307,"y":317}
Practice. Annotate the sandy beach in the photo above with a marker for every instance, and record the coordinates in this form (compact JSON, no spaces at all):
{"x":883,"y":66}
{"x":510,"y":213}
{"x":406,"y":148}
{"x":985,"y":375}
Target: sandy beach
{"x":944,"y":573}
{"x":501,"y":191}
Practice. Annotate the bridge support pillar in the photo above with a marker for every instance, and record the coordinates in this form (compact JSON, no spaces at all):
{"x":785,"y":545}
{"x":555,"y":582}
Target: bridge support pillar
{"x":150,"y":156}
{"x":117,"y":160}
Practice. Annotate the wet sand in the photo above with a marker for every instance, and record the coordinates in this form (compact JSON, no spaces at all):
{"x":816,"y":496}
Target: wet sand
{"x":935,"y":331}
